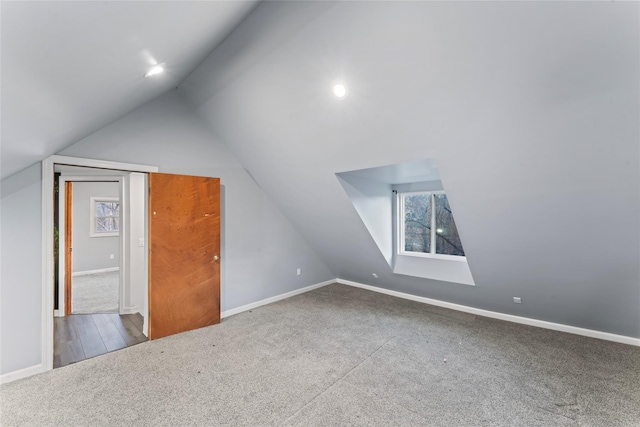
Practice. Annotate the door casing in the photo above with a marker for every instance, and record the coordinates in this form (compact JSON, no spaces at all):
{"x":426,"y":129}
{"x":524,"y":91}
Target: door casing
{"x":47,"y":238}
{"x":63,"y":296}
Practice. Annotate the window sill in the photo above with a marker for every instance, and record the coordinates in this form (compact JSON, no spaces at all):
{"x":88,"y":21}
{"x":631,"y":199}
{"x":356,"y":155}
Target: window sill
{"x":103,"y":234}
{"x":435,"y":267}
{"x":435,"y":256}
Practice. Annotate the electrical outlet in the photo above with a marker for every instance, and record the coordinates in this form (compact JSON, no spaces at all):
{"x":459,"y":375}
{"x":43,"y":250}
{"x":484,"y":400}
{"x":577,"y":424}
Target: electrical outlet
{"x":299,"y":271}
{"x":141,"y":242}
{"x":517,"y":300}
{"x":112,"y":256}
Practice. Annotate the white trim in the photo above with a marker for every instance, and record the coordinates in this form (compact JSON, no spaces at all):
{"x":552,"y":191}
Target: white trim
{"x":12,"y":376}
{"x":100,"y":164}
{"x":47,"y":262}
{"x":120,"y":179}
{"x":47,"y":238}
{"x":260,"y":303}
{"x":131,"y":310}
{"x":21,"y":373}
{"x":501,"y":316}
{"x":101,"y":270}
{"x":458,"y":258}
{"x":27,"y":372}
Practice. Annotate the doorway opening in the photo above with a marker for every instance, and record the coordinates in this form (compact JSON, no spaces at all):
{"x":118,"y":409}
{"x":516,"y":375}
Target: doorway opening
{"x":101,"y":274}
{"x":179,"y":253}
{"x":93,"y":218}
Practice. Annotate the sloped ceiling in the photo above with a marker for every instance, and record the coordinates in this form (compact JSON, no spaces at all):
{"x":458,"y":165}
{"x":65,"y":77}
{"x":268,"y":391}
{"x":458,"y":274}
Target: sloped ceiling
{"x":70,"y":68}
{"x":530,"y":109}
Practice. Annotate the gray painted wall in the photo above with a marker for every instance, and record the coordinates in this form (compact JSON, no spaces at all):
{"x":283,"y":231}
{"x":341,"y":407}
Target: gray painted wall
{"x":530,"y":109}
{"x":374,"y":203}
{"x":92,"y":253}
{"x":260,"y":249}
{"x":21,"y":271}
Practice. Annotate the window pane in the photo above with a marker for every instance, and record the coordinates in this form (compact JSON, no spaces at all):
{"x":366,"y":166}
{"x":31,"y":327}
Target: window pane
{"x":107,"y":209}
{"x":107,"y":216}
{"x":107,"y":224}
{"x":417,"y":224}
{"x":447,"y":239}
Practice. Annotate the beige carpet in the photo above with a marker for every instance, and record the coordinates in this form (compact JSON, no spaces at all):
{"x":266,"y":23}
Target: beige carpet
{"x":95,"y":293}
{"x":342,"y":356}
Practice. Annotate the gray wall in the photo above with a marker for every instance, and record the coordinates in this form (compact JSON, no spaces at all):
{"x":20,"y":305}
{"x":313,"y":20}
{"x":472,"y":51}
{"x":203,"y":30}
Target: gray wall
{"x":260,"y":249}
{"x":374,"y":203}
{"x":92,"y":253}
{"x":21,"y":271}
{"x":530,"y":109}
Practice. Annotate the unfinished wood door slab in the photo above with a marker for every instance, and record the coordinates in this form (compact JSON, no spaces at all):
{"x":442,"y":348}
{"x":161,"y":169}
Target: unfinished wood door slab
{"x":68,"y":209}
{"x":184,"y":240}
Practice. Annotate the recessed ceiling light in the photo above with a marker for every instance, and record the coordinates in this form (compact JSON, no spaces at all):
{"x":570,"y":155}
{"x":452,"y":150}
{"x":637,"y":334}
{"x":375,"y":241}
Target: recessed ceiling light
{"x":156,"y":69}
{"x":340,"y":90}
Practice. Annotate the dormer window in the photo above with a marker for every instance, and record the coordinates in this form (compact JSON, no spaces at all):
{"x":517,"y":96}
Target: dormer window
{"x":427,"y":226}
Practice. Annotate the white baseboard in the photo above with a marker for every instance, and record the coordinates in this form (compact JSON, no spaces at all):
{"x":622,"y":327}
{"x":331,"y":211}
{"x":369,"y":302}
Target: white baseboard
{"x":21,"y":373}
{"x":131,"y":310}
{"x":502,"y":316}
{"x":101,"y":270}
{"x":26,"y":372}
{"x":256,"y":304}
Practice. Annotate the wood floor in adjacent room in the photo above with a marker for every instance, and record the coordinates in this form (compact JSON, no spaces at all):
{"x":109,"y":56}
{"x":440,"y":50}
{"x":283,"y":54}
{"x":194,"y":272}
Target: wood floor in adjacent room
{"x":83,"y":336}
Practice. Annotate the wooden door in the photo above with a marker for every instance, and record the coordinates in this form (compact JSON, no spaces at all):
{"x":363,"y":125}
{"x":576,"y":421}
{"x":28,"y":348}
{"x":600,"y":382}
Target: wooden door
{"x":184,"y":253}
{"x":68,"y":210}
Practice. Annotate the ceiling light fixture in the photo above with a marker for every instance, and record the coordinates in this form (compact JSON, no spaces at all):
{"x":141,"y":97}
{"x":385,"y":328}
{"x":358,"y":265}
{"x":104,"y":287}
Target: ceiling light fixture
{"x":340,"y":90}
{"x":156,"y":69}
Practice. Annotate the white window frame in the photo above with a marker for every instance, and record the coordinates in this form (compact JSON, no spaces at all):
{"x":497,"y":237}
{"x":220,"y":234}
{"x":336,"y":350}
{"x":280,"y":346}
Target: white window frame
{"x":432,"y":245}
{"x":92,"y":220}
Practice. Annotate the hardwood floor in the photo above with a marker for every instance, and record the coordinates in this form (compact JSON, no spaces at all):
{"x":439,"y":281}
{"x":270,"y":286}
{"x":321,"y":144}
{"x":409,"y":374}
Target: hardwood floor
{"x":82,"y":336}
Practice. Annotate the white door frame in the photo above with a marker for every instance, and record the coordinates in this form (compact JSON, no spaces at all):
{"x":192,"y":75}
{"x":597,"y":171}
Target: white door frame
{"x":123,"y":262}
{"x":47,"y":237}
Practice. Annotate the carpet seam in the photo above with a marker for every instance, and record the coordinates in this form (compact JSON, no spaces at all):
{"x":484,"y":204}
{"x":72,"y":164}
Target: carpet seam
{"x":337,"y":381}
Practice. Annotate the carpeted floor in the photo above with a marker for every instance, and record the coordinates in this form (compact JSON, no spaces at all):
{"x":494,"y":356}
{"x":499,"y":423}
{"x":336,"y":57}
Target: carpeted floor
{"x":95,"y":293}
{"x":341,"y":356}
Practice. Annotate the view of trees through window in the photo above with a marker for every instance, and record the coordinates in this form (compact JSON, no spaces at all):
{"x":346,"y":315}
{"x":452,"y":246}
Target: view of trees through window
{"x":107,"y":217}
{"x":428,"y":225}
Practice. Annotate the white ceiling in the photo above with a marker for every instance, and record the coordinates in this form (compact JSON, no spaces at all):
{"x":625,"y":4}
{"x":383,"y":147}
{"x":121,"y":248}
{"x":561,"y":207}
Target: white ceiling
{"x":70,"y":68}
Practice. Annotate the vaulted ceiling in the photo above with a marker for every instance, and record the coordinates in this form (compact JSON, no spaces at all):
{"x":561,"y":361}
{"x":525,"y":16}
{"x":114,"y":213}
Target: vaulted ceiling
{"x":530,"y":109}
{"x":70,"y":68}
